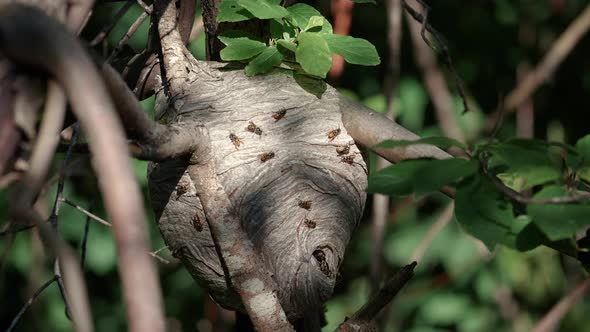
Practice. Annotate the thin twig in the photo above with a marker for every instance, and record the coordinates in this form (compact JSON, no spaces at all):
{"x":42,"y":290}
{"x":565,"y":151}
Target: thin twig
{"x":28,"y":303}
{"x":366,"y":314}
{"x":442,"y":47}
{"x":158,"y":257}
{"x":84,"y":241}
{"x":14,"y":231}
{"x":520,"y":198}
{"x":107,"y":29}
{"x":434,"y":79}
{"x":146,"y":8}
{"x":125,"y":39}
{"x":86,"y":212}
{"x":557,"y":53}
{"x":556,"y":314}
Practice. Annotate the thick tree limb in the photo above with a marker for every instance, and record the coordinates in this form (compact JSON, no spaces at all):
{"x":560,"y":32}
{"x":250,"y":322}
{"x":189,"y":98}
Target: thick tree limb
{"x":151,"y":140}
{"x":370,"y":128}
{"x":58,"y":52}
{"x":245,"y":269}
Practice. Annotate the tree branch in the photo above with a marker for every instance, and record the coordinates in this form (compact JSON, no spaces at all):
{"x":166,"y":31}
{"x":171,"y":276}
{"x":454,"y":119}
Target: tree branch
{"x":245,"y":268}
{"x":557,"y":53}
{"x":370,"y":128}
{"x":30,"y":37}
{"x":435,"y":82}
{"x":556,"y":314}
{"x":363,"y":319}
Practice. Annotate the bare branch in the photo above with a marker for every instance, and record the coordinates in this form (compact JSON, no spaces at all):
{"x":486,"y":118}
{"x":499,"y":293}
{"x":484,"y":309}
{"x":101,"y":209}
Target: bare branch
{"x":86,"y":212}
{"x":557,"y":53}
{"x":132,"y":29}
{"x":435,"y":82}
{"x":556,"y":314}
{"x":107,"y":29}
{"x":30,"y":37}
{"x":370,"y":128}
{"x":442,"y":47}
{"x":365,"y":316}
{"x":245,"y":268}
{"x":152,"y":141}
{"x":28,"y":303}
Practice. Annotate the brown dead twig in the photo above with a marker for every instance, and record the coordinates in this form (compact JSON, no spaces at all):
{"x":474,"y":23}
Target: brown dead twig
{"x":363,"y":319}
{"x":60,"y":53}
{"x":551,"y":320}
{"x":557,"y":53}
{"x":434,"y":79}
{"x":440,"y":45}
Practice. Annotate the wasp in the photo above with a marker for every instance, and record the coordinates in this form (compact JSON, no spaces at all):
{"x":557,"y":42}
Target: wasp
{"x":197,"y":223}
{"x":235,"y":140}
{"x":267,"y":156}
{"x":309,"y":223}
{"x":181,"y":189}
{"x":347,"y":159}
{"x":279,"y":115}
{"x":304,"y":204}
{"x":333,"y":133}
{"x":345,"y":149}
{"x":254,"y":128}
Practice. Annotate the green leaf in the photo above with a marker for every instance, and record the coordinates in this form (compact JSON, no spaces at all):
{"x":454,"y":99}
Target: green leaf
{"x":531,"y":236}
{"x":354,"y":50}
{"x":485,"y":213}
{"x":231,"y":11}
{"x":313,"y":54}
{"x":287,"y":44}
{"x":264,"y":61}
{"x":227,"y":37}
{"x":314,"y":21}
{"x":438,"y":173}
{"x":420,"y":176}
{"x":396,"y":179}
{"x":559,"y":221}
{"x":241,"y":49}
{"x":264,"y":9}
{"x":523,"y":164}
{"x":583,"y":147}
{"x":438,"y":141}
{"x":302,"y":13}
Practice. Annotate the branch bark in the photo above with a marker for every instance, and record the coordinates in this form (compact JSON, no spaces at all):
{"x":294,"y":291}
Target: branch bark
{"x":370,"y":128}
{"x":43,"y":43}
{"x":363,"y":319}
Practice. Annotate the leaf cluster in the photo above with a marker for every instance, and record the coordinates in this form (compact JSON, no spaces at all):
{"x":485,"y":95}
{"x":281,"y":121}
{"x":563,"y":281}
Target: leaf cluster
{"x":300,"y":38}
{"x":518,"y":193}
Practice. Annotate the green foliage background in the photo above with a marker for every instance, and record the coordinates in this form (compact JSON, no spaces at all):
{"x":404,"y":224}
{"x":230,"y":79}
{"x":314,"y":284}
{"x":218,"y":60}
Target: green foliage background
{"x":458,"y":286}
